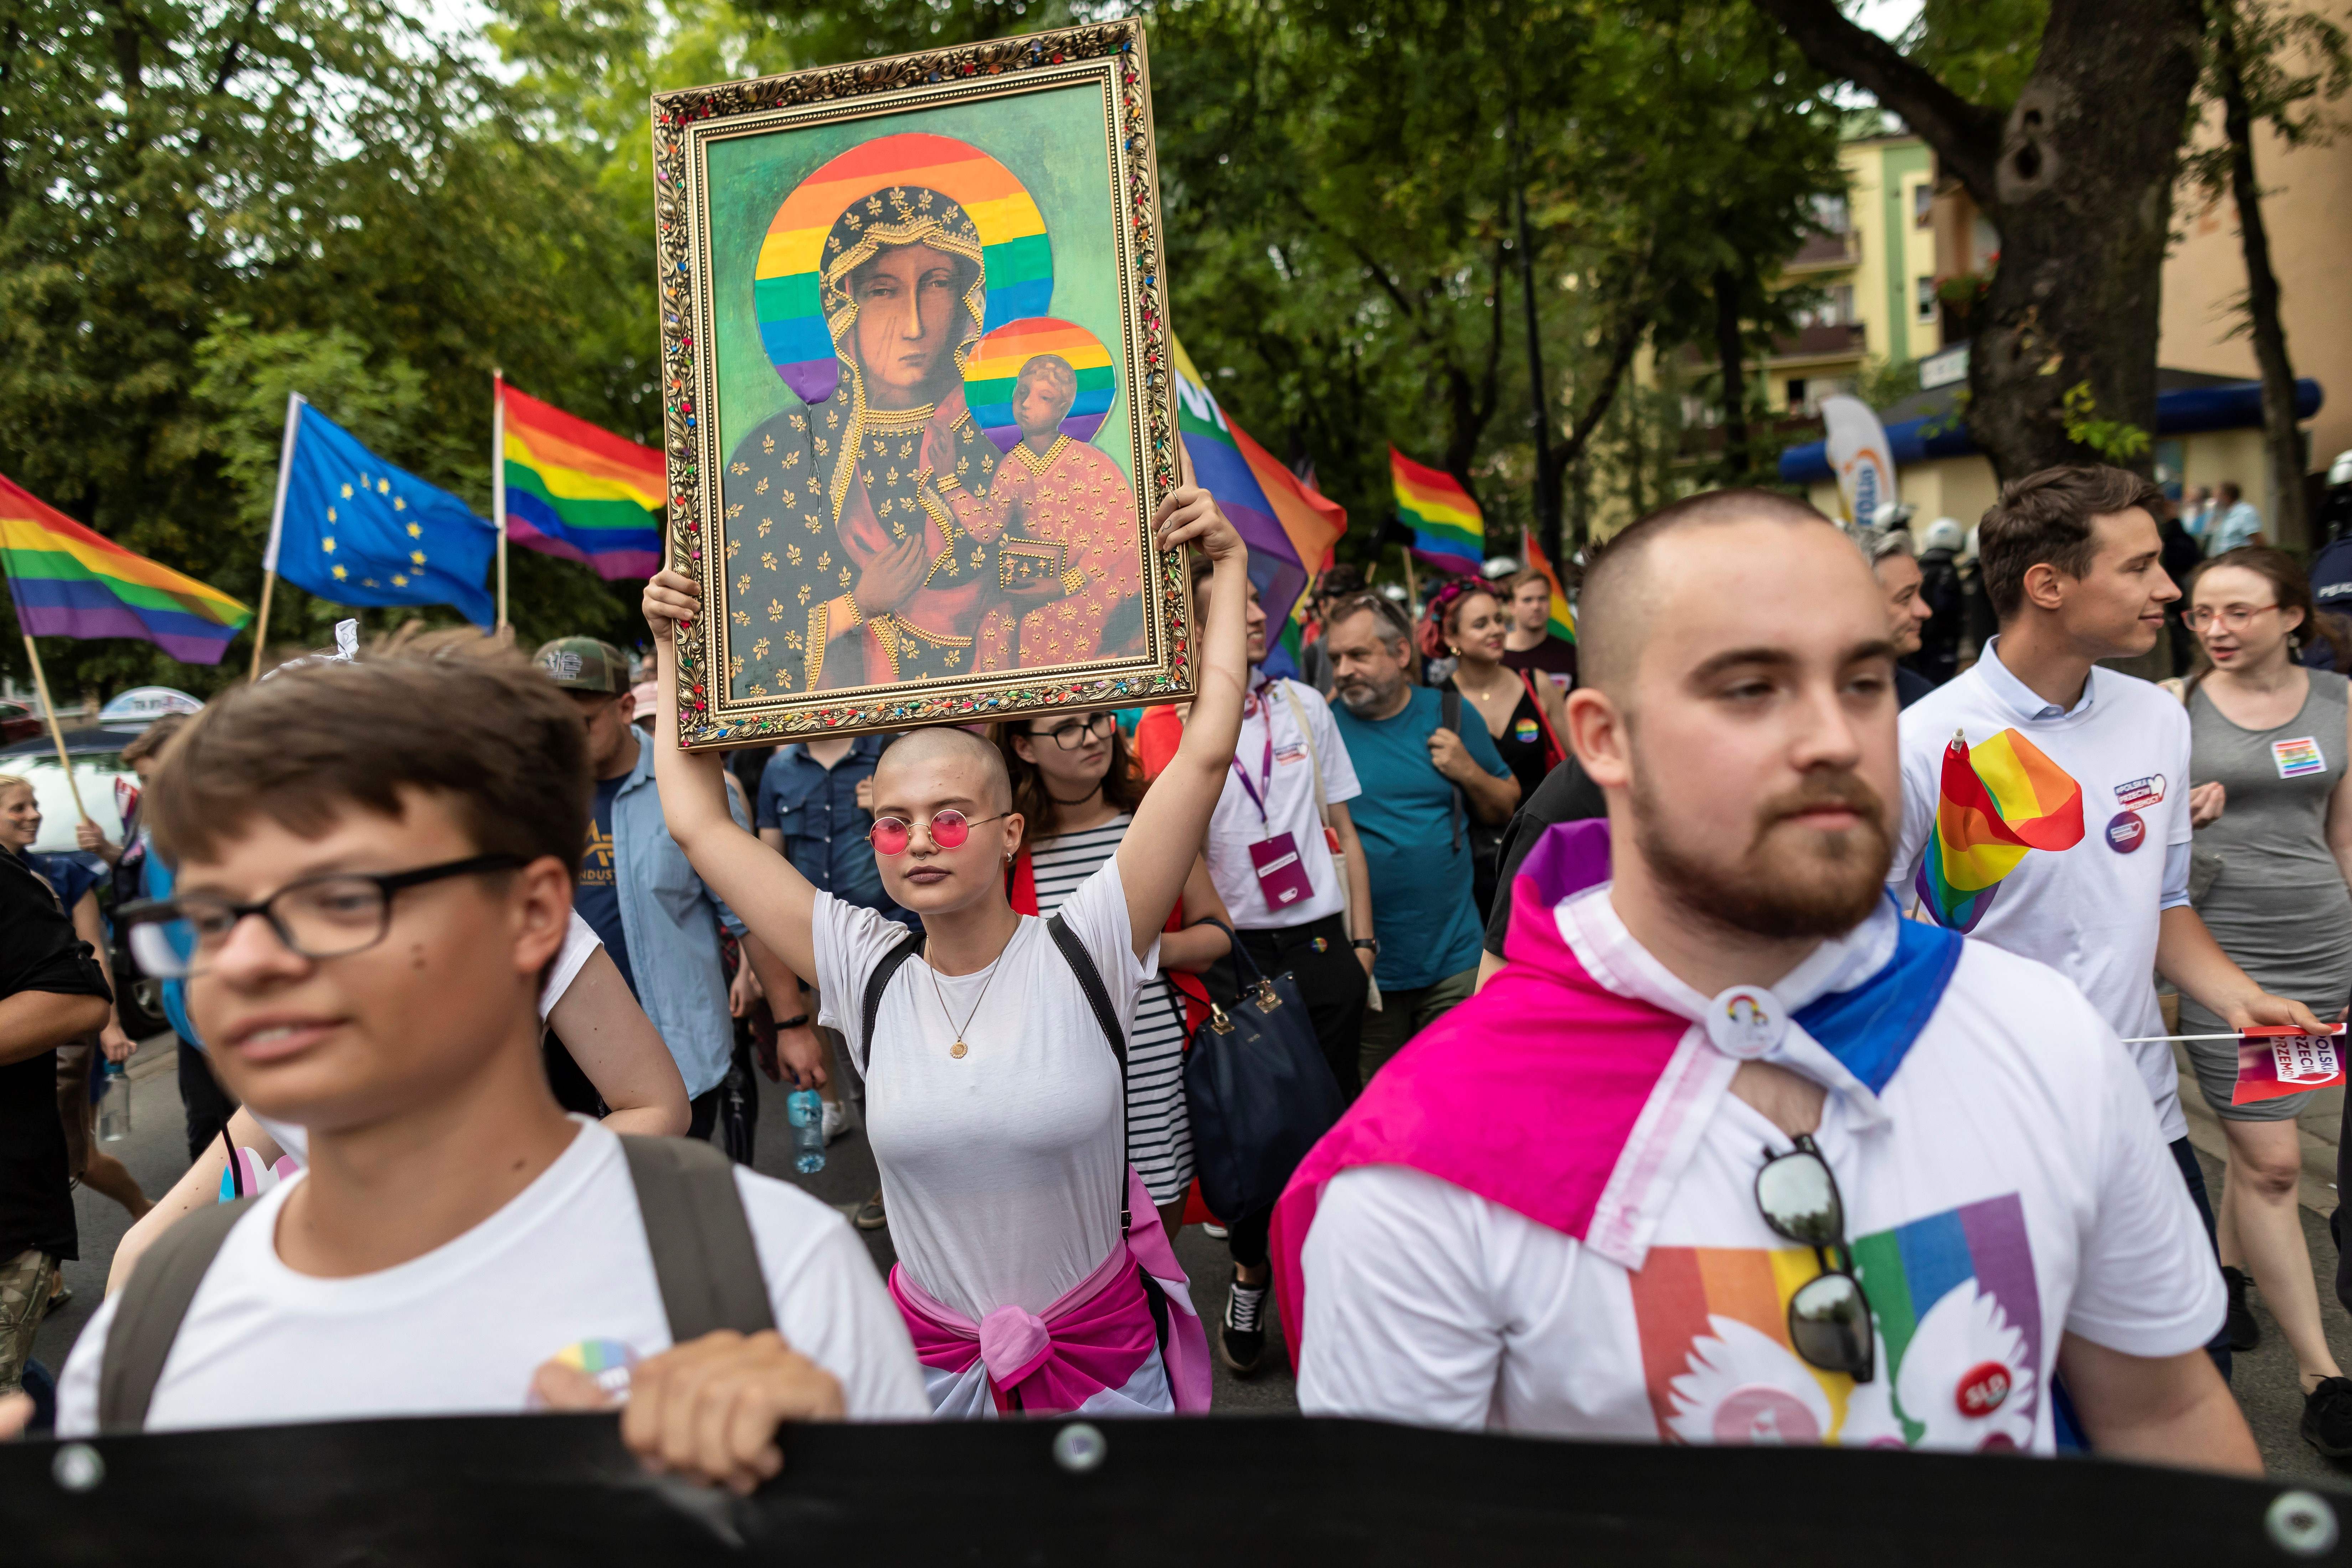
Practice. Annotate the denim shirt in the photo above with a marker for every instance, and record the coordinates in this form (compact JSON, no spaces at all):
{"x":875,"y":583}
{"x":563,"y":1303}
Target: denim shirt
{"x":671,"y":923}
{"x":824,"y":826}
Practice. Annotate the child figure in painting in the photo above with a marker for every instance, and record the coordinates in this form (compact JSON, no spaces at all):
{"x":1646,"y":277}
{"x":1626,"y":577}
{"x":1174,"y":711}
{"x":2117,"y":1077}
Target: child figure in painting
{"x":1068,"y":504}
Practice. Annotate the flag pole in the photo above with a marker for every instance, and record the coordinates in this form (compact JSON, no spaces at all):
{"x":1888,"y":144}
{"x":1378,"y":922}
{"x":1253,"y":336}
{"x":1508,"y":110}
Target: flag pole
{"x":1412,"y":586}
{"x":57,"y":731}
{"x":499,"y":480}
{"x":276,"y":523}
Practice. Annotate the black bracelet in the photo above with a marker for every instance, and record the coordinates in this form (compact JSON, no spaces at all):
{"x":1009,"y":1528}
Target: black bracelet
{"x":1369,"y":943}
{"x":797,"y":1021}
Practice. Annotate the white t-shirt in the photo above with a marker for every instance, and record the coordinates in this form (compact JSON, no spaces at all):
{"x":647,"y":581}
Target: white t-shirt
{"x":1290,"y":799}
{"x":580,"y":944}
{"x":462,"y":1330}
{"x":2090,"y":912}
{"x":1001,"y":1169}
{"x":2016,"y":1191}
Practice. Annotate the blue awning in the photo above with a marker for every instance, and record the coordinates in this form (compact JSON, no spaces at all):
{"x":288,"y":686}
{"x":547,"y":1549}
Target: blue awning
{"x":2185,"y":411}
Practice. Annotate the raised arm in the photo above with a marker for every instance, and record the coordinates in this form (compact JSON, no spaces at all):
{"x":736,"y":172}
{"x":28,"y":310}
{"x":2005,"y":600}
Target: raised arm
{"x":1158,"y":852}
{"x":774,"y":901}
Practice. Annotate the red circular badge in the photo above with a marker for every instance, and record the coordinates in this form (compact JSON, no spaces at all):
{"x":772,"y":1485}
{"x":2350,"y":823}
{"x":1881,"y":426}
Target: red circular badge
{"x":1983,"y":1389}
{"x":2126,"y":831}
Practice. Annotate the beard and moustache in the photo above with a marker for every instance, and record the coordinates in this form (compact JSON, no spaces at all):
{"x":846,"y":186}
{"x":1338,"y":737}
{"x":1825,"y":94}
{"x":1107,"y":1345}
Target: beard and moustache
{"x":1791,"y":881}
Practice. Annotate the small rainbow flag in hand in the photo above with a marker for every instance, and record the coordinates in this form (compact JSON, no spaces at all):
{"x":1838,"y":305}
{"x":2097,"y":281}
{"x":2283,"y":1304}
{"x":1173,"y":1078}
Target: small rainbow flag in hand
{"x":574,"y":490}
{"x":1562,"y":622}
{"x":1448,"y":530}
{"x":70,"y":581}
{"x":1995,"y":803}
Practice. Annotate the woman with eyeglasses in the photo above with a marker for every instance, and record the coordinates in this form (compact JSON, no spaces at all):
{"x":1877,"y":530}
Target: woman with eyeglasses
{"x":1076,"y":787}
{"x":1031,"y":1276}
{"x":2269,"y":739}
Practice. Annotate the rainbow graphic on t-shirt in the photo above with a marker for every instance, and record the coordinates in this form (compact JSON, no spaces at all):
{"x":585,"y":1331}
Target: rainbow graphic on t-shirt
{"x":1959,"y":1316}
{"x":1996,"y":803}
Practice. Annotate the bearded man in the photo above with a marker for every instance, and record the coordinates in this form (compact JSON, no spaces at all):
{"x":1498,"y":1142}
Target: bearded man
{"x":1728,"y":1152}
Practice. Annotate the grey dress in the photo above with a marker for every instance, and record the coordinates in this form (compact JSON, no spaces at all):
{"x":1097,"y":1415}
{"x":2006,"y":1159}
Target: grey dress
{"x":2279,"y":907}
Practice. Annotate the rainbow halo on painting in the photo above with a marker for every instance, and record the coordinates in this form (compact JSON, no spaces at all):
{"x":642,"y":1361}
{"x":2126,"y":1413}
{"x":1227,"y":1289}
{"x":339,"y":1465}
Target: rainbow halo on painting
{"x":992,"y":373}
{"x":787,"y":288}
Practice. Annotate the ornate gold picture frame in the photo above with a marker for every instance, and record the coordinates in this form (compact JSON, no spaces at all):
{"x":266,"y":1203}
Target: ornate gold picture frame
{"x":920,"y":412}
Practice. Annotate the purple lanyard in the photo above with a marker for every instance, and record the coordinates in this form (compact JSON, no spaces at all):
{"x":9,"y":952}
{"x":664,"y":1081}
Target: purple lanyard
{"x":1265,"y":770}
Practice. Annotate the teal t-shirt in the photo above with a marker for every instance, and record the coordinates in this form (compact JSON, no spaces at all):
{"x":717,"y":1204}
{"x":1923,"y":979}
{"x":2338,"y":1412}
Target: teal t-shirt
{"x":1422,"y":906}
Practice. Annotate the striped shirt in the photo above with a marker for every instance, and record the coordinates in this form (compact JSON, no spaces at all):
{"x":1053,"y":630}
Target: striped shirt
{"x":1160,"y":1133}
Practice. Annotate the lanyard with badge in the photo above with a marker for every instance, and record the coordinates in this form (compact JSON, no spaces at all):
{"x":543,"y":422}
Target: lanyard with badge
{"x":1281,"y":873}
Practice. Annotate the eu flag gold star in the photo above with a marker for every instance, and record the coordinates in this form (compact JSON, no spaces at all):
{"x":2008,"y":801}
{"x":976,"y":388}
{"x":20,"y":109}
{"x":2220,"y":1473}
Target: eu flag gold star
{"x":398,"y":580}
{"x":347,"y":492}
{"x":328,"y":544}
{"x":330,"y":511}
{"x":340,"y":573}
{"x":398,"y":504}
{"x":384,"y":486}
{"x":417,"y":556}
{"x":415,"y":531}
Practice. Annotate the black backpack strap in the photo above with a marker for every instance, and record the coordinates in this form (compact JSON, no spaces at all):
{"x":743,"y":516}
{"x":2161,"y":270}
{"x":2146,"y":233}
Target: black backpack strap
{"x":1090,"y":981}
{"x":154,"y":1305}
{"x":704,"y":1260}
{"x":877,"y":982}
{"x":1449,"y":717}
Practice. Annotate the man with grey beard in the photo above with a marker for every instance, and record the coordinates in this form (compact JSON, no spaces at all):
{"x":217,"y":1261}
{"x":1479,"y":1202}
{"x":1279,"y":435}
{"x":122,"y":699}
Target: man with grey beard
{"x":1728,"y":1151}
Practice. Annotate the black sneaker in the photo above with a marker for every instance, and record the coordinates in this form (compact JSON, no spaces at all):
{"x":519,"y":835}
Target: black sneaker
{"x":2245,"y":1332}
{"x":2327,"y":1417}
{"x":1241,"y":1338}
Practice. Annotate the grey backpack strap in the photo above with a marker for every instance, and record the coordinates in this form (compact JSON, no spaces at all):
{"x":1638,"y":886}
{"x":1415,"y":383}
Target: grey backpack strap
{"x":148,"y":1317}
{"x":1449,"y":717}
{"x":704,"y":1259}
{"x":1090,"y":981}
{"x":877,"y":982}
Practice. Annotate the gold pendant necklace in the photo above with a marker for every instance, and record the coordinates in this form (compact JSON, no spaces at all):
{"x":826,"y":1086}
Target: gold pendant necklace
{"x":959,"y":1049}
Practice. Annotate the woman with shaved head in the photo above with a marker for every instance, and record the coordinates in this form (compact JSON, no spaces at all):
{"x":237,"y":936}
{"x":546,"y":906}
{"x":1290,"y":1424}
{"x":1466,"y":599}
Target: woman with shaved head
{"x":1033,"y":1274}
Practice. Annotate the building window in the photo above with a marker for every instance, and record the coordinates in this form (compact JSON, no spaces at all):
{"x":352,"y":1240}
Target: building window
{"x":1923,"y":206}
{"x":1836,"y":307}
{"x":1985,"y":241}
{"x":1927,"y":287}
{"x":1830,"y":214}
{"x":1805,"y":393}
{"x":1797,"y":396}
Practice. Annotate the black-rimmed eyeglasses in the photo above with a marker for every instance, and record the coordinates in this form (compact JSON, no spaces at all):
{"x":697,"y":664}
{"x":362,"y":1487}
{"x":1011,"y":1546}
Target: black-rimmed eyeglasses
{"x":332,"y":915}
{"x":1829,"y":1317}
{"x":1072,"y":736}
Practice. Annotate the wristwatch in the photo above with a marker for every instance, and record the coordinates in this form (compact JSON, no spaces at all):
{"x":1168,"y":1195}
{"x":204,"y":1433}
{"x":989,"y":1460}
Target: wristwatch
{"x":1371,"y":944}
{"x":797,"y":1021}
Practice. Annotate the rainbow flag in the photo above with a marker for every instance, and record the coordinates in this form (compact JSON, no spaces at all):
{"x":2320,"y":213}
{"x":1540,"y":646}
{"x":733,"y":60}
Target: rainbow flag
{"x":68,"y":582}
{"x":1995,"y":804}
{"x":1448,"y":530}
{"x":1289,"y":528}
{"x":993,"y":369}
{"x":1015,"y":251}
{"x":574,"y":490}
{"x":1562,"y":623}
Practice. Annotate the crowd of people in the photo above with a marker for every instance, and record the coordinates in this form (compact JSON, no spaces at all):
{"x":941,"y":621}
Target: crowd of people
{"x":1746,"y":1017}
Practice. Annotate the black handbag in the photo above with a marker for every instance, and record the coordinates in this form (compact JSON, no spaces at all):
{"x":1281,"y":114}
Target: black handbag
{"x":1258,"y":1089}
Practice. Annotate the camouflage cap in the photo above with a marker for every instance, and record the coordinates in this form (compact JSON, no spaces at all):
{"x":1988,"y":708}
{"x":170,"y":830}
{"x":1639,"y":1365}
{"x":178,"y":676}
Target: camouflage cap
{"x":584,"y":664}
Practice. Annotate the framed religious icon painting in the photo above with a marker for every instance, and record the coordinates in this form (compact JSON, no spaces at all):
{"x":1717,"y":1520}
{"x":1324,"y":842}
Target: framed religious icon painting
{"x":915,"y":369}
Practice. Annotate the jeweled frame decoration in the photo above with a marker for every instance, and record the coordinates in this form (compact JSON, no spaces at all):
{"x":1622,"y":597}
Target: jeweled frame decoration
{"x":1110,"y":56}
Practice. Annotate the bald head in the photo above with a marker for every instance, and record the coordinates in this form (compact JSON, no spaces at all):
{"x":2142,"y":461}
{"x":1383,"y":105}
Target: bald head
{"x":949,"y":744}
{"x":1615,"y":612}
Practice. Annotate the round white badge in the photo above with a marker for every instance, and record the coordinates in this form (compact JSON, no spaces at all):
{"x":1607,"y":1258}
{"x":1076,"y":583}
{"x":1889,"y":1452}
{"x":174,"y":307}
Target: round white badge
{"x":1746,"y":1022}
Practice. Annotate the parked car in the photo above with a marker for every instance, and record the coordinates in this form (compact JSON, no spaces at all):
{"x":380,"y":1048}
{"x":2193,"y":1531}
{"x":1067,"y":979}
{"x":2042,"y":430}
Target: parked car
{"x":18,"y":722}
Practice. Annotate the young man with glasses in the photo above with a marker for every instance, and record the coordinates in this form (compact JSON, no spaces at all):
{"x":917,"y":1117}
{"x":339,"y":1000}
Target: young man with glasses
{"x":375,"y":866}
{"x":2046,"y":800}
{"x":1728,"y":1151}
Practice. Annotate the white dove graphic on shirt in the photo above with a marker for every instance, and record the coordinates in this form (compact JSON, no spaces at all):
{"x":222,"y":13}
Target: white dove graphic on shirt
{"x":1964,"y":1377}
{"x":1743,"y":1387}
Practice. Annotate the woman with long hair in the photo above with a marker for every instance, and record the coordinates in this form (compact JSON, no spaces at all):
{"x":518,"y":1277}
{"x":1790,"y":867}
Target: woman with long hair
{"x":1076,"y":785}
{"x":1522,"y":709}
{"x":2274,"y":735}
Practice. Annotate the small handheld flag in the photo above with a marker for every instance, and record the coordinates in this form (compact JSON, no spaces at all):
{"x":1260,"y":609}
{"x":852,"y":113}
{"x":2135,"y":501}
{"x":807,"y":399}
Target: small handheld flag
{"x":577,"y":492}
{"x":1448,"y":530}
{"x":1561,"y":623}
{"x":70,"y":581}
{"x":355,"y":530}
{"x":1995,"y":804}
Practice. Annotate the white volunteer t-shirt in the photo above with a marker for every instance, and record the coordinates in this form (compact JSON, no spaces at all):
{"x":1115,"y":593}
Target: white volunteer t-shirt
{"x":462,"y":1330}
{"x":2091,"y":912}
{"x":1290,"y":800}
{"x":580,"y":943}
{"x":2019,"y":1192}
{"x":1001,"y":1170}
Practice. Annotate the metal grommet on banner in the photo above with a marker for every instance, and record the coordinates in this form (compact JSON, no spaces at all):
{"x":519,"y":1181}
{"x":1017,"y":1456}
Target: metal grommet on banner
{"x":1746,"y":1022}
{"x":78,"y":1468}
{"x":2301,"y":1523}
{"x":1080,"y":1447}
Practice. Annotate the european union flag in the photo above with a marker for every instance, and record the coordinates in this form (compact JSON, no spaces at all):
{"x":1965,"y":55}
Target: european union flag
{"x":355,"y":530}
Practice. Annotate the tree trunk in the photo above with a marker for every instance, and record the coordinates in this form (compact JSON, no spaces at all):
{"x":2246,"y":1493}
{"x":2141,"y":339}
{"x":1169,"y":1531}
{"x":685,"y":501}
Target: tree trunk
{"x":1731,"y":355}
{"x":2281,"y":443}
{"x":2078,"y":180}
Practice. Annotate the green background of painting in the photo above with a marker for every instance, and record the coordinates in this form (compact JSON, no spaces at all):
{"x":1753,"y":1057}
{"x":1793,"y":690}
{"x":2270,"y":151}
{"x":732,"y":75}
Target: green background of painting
{"x":1053,"y":141}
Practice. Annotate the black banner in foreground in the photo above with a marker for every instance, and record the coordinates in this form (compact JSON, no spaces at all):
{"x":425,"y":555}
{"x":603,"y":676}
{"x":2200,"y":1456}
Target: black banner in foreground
{"x":512,"y":1491}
